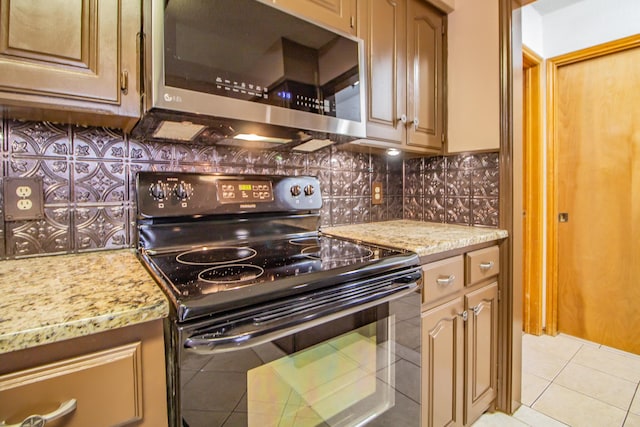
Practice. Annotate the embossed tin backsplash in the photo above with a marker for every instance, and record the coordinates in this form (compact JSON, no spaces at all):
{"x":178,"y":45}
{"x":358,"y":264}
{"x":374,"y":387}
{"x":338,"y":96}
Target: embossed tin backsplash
{"x":89,"y":199}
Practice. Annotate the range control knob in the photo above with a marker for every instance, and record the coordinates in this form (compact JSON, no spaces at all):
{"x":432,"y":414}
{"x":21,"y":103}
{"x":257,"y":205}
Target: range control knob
{"x":295,"y":190}
{"x":309,"y":190}
{"x":183,"y":191}
{"x":157,"y":191}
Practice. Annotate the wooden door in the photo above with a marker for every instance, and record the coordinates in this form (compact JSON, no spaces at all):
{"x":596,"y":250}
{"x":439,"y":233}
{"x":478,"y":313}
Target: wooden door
{"x":482,"y":350}
{"x":425,"y":72}
{"x":382,"y":26}
{"x":597,"y":132}
{"x":442,"y":365}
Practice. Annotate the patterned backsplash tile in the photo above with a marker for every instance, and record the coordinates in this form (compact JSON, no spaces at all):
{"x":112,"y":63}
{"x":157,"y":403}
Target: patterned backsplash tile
{"x":89,"y":184}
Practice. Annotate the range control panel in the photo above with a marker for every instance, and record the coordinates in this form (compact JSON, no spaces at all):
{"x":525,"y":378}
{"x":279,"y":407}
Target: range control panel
{"x":164,"y":194}
{"x":244,"y":191}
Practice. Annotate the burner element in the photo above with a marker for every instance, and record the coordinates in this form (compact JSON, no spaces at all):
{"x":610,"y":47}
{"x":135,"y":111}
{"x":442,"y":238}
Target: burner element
{"x":231,"y":274}
{"x":217,"y":255}
{"x":331,"y":250}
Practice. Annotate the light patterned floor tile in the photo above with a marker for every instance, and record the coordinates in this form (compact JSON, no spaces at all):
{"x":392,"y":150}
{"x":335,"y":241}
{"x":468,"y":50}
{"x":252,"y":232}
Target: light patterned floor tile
{"x":632,"y":420}
{"x":498,"y":419}
{"x":576,"y":409}
{"x":597,"y":384}
{"x":561,"y":346}
{"x":610,"y":362}
{"x":635,"y":405}
{"x":537,"y":419}
{"x":532,"y":388}
{"x":542,"y":364}
{"x":621,"y":352}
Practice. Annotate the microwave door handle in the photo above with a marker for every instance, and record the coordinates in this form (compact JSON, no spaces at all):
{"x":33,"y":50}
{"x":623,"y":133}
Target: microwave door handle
{"x":284,"y":326}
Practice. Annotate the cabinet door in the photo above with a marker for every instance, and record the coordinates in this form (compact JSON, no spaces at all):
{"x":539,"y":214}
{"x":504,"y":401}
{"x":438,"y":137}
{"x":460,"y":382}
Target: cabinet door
{"x":382,"y":26}
{"x":482,"y":347}
{"x":442,"y":365}
{"x":70,"y":55}
{"x":340,"y":14}
{"x":61,"y":47}
{"x":424,"y":75}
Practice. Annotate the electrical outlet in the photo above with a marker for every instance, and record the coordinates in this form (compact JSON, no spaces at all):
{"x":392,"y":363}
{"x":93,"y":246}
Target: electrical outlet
{"x":23,"y":198}
{"x":24,"y":204}
{"x":376,"y":196}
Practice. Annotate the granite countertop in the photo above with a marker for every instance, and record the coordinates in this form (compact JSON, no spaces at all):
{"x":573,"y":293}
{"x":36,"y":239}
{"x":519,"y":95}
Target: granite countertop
{"x":424,"y":238}
{"x":53,"y":298}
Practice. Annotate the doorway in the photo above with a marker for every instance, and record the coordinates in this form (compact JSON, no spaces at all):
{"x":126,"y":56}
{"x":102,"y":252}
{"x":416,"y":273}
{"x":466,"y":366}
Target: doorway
{"x":532,"y":177}
{"x":593,"y":213}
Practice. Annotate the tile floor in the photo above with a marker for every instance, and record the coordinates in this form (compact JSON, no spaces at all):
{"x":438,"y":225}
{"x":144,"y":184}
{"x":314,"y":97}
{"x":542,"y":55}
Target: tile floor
{"x":567,"y":381}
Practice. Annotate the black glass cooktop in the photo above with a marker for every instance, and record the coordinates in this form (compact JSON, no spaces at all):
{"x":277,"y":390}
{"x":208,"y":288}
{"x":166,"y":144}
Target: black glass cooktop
{"x":203,"y":277}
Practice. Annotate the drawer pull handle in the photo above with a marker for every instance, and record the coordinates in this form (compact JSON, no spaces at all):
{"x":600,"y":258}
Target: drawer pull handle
{"x":443,"y":281}
{"x":41,"y":420}
{"x":486,"y":266}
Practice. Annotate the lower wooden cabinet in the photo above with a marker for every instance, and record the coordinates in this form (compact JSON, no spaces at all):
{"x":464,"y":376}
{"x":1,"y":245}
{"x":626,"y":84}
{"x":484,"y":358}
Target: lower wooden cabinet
{"x":459,"y":346}
{"x":123,"y":384}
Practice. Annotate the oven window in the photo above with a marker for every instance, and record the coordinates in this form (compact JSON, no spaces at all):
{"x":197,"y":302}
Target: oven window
{"x":333,"y":381}
{"x":360,"y":369}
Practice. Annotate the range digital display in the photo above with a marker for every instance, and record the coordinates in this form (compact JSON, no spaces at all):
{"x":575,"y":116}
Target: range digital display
{"x":244,"y":191}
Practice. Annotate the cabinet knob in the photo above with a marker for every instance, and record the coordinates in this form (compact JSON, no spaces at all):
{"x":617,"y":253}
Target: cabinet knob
{"x":416,"y":123}
{"x":403,"y":119}
{"x":41,"y":420}
{"x":464,"y":315}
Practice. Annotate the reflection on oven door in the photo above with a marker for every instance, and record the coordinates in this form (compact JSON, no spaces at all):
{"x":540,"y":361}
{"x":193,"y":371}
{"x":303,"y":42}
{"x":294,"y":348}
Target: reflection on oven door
{"x":343,"y":381}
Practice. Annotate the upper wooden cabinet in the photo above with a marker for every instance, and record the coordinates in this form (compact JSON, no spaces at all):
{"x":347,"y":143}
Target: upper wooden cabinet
{"x":340,"y":14}
{"x":404,"y":40}
{"x":473,"y":76}
{"x":72,"y":61}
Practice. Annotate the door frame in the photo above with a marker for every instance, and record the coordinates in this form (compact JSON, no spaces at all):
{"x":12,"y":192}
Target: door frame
{"x":533,"y":192}
{"x":553,"y":64}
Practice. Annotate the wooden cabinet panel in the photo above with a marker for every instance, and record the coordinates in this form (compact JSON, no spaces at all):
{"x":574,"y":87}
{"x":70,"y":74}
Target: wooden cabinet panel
{"x":442,"y":278}
{"x":459,"y":339}
{"x":106,"y":387}
{"x":76,"y":56}
{"x":382,"y":25}
{"x":442,"y":365}
{"x":405,"y":73}
{"x":473,"y":76}
{"x":482,"y":264}
{"x":118,"y":377}
{"x":339,"y":14}
{"x":424,"y":75}
{"x":63,"y":48}
{"x":482,"y":349}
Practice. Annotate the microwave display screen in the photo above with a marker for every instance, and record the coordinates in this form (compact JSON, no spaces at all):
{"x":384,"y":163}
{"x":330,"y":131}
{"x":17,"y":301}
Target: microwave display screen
{"x":251,"y":51}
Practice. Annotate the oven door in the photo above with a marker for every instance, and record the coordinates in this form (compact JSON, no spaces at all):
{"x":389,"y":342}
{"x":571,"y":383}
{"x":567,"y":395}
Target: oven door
{"x":341,"y":357}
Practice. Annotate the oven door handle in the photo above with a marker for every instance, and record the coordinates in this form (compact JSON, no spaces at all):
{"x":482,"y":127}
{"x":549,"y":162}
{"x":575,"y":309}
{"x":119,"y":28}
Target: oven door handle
{"x":218,"y":339}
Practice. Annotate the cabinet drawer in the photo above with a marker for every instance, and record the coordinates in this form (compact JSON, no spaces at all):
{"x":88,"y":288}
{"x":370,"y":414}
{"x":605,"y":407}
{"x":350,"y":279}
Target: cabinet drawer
{"x":106,"y":387}
{"x":442,"y":278}
{"x":482,"y":264}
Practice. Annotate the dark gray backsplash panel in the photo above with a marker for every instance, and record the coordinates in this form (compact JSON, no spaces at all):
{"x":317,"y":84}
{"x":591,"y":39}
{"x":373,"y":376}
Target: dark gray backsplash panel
{"x":89,"y":174}
{"x":459,"y":189}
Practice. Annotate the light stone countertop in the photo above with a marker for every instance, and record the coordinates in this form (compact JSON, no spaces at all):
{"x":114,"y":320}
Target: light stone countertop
{"x":423,"y":238}
{"x":53,"y":298}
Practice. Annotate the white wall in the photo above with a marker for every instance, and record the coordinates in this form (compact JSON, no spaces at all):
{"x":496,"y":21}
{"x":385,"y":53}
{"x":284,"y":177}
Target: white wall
{"x":581,"y":25}
{"x":532,"y":30}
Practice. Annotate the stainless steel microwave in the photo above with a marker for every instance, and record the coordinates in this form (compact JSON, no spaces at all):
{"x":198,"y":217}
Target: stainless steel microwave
{"x":217,"y":70}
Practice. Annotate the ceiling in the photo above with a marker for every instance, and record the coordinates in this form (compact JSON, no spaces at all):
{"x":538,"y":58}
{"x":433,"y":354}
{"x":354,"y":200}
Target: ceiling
{"x":544,"y":7}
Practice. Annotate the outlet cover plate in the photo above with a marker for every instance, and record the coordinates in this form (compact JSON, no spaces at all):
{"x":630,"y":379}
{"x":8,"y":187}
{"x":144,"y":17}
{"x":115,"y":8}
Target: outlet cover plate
{"x":14,"y":195}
